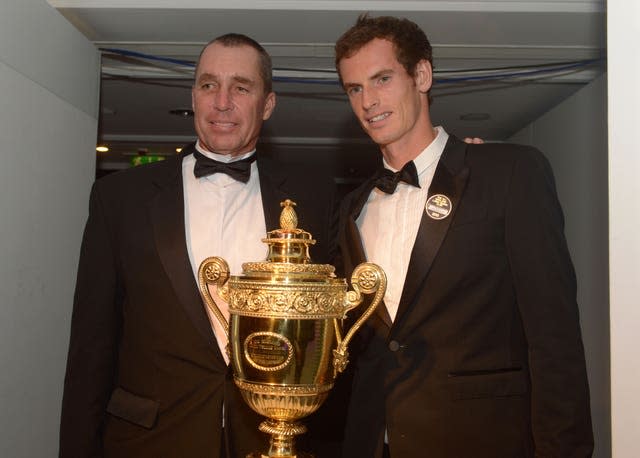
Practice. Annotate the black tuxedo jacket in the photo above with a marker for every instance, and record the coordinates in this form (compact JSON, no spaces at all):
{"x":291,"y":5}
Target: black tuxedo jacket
{"x":485,"y":357}
{"x":145,"y":377}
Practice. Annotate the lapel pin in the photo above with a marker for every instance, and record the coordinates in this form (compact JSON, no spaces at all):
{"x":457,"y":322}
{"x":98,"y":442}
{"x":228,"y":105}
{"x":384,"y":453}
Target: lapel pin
{"x":438,"y":206}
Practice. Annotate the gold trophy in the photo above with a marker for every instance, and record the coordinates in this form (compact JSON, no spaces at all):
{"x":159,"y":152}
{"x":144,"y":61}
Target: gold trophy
{"x":285,"y":340}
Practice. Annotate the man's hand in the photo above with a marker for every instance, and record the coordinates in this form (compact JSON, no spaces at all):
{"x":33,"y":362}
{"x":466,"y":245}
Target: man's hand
{"x":473,"y":140}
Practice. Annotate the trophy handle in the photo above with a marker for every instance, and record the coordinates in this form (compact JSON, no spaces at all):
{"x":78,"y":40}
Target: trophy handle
{"x":366,"y":279}
{"x":214,"y":271}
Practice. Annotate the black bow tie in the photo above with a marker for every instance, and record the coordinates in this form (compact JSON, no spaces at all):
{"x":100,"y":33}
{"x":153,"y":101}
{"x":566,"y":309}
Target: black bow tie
{"x":238,"y":170}
{"x":387,"y":181}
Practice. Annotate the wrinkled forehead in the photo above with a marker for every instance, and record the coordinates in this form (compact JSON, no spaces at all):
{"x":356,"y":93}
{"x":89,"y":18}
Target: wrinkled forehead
{"x":218,"y":58}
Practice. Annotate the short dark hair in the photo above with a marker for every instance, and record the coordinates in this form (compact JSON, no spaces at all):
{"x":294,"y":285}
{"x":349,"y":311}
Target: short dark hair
{"x":237,"y":39}
{"x":409,"y":40}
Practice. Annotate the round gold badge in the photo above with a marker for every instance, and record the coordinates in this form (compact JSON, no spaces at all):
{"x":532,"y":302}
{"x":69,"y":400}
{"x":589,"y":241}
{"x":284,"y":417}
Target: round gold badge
{"x":438,"y":206}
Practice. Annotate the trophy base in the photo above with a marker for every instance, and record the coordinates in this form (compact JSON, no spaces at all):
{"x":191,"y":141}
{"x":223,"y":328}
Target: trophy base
{"x":281,"y":444}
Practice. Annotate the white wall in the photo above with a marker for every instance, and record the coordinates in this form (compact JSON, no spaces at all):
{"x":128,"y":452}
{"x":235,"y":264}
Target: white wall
{"x":49,"y":82}
{"x":623,"y":24}
{"x":573,"y":136}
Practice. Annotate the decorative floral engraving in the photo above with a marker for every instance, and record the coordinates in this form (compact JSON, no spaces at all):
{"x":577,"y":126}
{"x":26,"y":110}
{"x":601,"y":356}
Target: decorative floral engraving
{"x":313,"y":302}
{"x":254,"y":301}
{"x":368,"y":279}
{"x":286,"y":267}
{"x":212,"y":272}
{"x":304,"y":303}
{"x":285,"y":390}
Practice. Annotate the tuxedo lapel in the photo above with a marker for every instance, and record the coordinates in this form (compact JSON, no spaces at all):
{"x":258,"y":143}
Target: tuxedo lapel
{"x":167,"y":217}
{"x":449,"y":180}
{"x":273,"y":191}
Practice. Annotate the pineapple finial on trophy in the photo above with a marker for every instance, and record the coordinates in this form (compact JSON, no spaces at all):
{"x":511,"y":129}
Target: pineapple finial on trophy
{"x":290,"y":243}
{"x":288,"y":217}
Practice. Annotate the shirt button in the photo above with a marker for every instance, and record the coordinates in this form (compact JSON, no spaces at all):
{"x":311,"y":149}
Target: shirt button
{"x":394,"y":345}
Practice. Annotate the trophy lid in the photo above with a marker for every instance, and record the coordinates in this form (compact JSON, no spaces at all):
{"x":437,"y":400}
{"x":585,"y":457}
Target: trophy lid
{"x":289,"y":243}
{"x":288,"y":249}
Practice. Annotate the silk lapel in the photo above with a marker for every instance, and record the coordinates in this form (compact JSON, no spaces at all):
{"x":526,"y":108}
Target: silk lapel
{"x":167,"y":216}
{"x":450,"y":180}
{"x":272,"y":189}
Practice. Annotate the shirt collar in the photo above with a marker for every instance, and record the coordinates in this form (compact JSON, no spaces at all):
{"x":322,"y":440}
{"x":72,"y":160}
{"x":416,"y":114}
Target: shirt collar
{"x":430,"y":155}
{"x":222,"y":157}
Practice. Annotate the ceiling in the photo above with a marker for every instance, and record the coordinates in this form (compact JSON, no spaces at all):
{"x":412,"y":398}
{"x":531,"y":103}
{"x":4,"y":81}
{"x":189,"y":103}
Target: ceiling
{"x":139,"y":91}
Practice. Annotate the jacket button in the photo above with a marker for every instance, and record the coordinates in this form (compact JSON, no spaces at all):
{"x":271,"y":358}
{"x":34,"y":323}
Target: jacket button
{"x":394,"y":345}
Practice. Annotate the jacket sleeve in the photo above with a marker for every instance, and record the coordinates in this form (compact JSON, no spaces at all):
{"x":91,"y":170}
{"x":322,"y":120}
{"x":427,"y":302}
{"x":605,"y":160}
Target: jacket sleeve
{"x":545,"y":286}
{"x":95,"y":329}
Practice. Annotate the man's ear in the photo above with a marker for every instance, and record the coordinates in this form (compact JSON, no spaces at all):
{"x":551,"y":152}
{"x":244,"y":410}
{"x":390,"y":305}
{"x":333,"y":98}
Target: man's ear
{"x":269,"y":105}
{"x":423,"y":75}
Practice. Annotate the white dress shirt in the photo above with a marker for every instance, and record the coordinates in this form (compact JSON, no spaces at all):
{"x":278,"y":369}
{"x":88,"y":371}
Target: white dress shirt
{"x":389,"y":223}
{"x":223,"y":217}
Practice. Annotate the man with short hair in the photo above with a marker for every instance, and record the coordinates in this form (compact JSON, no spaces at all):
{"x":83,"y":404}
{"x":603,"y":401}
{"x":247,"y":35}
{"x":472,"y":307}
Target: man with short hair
{"x":477,"y":351}
{"x":147,"y":374}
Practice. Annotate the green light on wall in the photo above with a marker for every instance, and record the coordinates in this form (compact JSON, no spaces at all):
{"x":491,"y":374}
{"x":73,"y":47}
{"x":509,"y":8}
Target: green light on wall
{"x":146,"y":159}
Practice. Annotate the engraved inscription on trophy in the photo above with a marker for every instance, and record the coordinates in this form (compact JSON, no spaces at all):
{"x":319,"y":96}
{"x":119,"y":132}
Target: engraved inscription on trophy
{"x":268,"y":351}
